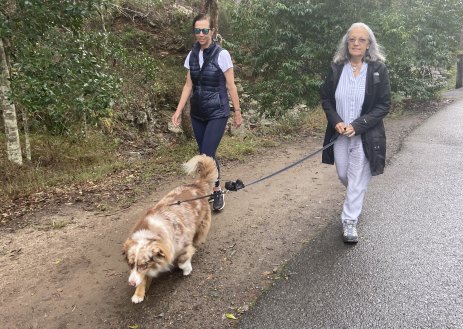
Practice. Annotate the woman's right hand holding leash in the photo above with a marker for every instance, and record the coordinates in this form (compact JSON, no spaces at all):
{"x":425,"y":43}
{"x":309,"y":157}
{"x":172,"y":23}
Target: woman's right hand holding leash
{"x":343,"y":130}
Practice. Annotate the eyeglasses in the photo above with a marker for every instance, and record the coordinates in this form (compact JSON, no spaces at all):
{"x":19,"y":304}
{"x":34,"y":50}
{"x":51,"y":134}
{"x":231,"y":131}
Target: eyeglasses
{"x":361,"y":41}
{"x":198,"y":31}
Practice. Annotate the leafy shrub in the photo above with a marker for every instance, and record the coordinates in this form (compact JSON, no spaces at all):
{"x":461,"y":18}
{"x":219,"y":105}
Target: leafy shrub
{"x":286,"y":46}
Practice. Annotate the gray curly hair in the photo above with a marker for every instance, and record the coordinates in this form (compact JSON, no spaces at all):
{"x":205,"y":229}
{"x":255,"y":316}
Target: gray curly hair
{"x":374,"y":51}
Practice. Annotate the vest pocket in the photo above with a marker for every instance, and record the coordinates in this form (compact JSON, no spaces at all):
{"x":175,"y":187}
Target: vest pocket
{"x":205,"y":104}
{"x":210,"y":102}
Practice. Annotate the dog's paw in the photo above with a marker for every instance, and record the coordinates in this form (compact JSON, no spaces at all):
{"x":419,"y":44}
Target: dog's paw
{"x":137,"y":299}
{"x":186,"y":267}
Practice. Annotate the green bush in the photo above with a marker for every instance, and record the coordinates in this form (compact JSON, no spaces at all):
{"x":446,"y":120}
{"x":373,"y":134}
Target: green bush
{"x":286,"y":46}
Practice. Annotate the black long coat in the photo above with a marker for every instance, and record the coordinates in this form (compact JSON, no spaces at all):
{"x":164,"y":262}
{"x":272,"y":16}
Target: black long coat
{"x":370,"y":124}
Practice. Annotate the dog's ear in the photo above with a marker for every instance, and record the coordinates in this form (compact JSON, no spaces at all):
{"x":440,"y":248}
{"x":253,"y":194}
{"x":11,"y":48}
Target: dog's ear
{"x":126,"y":246}
{"x":157,"y":252}
{"x":154,"y":248}
{"x":200,"y":168}
{"x":160,"y":251}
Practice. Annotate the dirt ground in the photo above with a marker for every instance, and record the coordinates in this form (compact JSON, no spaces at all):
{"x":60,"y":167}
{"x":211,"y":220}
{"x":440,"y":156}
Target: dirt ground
{"x":74,"y":276}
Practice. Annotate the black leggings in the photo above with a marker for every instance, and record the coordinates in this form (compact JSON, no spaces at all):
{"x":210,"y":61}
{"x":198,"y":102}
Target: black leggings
{"x":208,"y":135}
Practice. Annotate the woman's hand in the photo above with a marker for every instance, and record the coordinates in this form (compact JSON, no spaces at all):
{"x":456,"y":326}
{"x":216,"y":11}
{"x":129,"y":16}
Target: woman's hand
{"x":343,"y":130}
{"x":340,"y":128}
{"x":231,"y":87}
{"x":176,"y":118}
{"x":237,"y":119}
{"x":349,"y":131}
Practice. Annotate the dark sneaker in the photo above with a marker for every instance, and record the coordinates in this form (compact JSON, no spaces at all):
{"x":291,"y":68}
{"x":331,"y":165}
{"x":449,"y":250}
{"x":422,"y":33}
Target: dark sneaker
{"x":218,"y":201}
{"x":349,"y":231}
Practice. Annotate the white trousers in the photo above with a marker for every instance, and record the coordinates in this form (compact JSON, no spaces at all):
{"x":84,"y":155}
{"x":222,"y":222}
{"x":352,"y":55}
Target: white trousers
{"x":354,"y":173}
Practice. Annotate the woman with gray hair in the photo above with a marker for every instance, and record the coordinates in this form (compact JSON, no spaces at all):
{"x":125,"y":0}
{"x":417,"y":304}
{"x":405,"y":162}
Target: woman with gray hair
{"x":356,"y":96}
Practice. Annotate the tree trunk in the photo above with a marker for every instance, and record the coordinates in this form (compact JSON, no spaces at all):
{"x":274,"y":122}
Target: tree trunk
{"x":211,"y":7}
{"x":9,"y":112}
{"x":459,"y":83}
{"x":27,"y":141}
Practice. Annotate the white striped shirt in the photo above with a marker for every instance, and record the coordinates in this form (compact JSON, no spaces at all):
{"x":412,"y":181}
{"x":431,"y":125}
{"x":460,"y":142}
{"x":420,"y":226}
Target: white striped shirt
{"x":350,"y":93}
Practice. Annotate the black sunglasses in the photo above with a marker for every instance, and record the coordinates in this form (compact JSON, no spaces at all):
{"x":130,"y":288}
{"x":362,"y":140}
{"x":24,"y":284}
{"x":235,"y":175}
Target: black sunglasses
{"x":198,"y":31}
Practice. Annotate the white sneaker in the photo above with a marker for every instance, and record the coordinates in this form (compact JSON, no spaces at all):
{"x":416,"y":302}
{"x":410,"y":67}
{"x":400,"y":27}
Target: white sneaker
{"x":349,"y":231}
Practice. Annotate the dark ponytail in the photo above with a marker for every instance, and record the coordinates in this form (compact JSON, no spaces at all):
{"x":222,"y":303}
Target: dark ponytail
{"x":201,"y":17}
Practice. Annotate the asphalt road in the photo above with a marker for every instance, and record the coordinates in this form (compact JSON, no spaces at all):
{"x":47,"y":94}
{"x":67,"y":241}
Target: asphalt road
{"x":407,"y":269}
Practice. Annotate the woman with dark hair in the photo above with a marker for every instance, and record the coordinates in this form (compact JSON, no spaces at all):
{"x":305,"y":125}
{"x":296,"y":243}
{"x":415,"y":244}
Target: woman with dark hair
{"x":209,"y":80}
{"x":356,"y":97}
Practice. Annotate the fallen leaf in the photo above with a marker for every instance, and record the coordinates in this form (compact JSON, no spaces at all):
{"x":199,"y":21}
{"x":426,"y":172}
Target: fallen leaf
{"x":230,"y":316}
{"x":134,"y":326}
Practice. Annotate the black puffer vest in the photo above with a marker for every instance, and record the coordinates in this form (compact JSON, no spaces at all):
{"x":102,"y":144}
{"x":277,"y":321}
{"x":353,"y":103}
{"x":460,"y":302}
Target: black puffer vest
{"x":210,"y":97}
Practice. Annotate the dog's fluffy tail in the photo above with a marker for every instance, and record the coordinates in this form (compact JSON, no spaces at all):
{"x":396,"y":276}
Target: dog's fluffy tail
{"x":203,"y":166}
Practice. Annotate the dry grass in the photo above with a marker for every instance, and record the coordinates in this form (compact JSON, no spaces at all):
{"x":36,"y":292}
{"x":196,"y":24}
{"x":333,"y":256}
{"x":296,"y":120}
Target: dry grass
{"x":56,"y":161}
{"x":308,"y":121}
{"x":59,"y":162}
{"x":315,"y":120}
